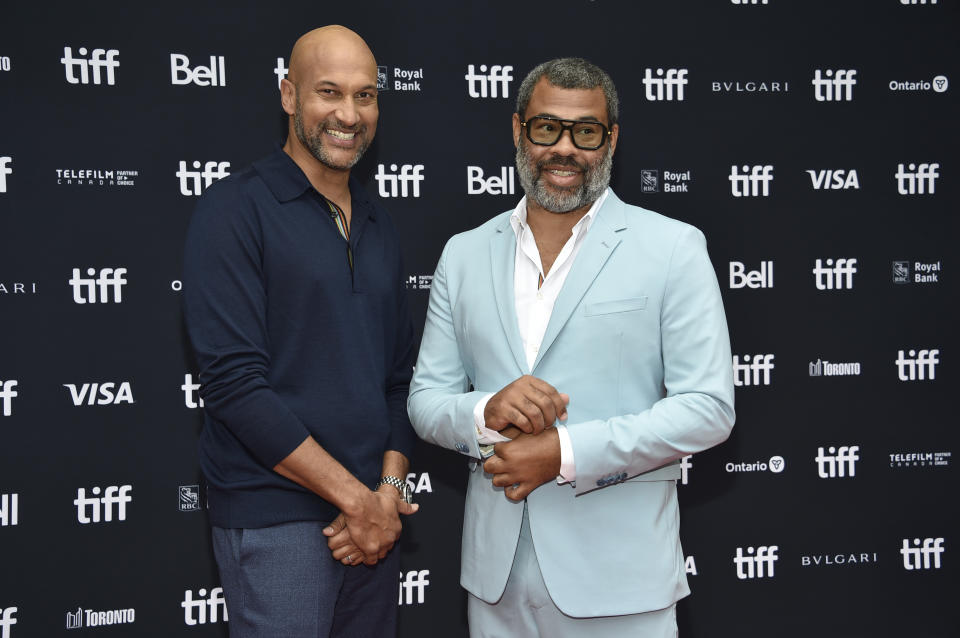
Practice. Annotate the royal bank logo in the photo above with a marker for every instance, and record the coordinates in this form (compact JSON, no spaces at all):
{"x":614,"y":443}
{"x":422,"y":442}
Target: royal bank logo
{"x":205,"y":608}
{"x":740,"y":277}
{"x":834,"y":85}
{"x":7,"y":620}
{"x":834,"y":274}
{"x":398,"y":79}
{"x":673,"y":181}
{"x":920,"y":459}
{"x":824,"y":368}
{"x":844,"y":559}
{"x":750,"y":86}
{"x":281,"y":72}
{"x":105,"y":286}
{"x":834,"y":179}
{"x":99,"y":67}
{"x":493,"y":83}
{"x":756,"y":563}
{"x":191,"y":392}
{"x":917,"y":272}
{"x":413,"y":586}
{"x":8,"y":392}
{"x":401,"y":181}
{"x":96,"y":508}
{"x":775,"y":465}
{"x":9,"y":510}
{"x":100,"y":393}
{"x":938,"y":84}
{"x":754,"y":181}
{"x":97,"y":177}
{"x":917,"y":179}
{"x":181,"y":73}
{"x":90,"y":618}
{"x":649,"y":181}
{"x":502,"y":183}
{"x":418,"y":282}
{"x":914,"y":365}
{"x":188,"y":498}
{"x":193,"y":182}
{"x":922,"y":554}
{"x":754,"y":370}
{"x":837,"y":462}
{"x":5,"y":169}
{"x":664,"y":84}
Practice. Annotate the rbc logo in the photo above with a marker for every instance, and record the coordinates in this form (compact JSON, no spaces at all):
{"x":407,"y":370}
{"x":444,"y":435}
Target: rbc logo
{"x":835,"y":87}
{"x":912,"y":555}
{"x":759,"y":565}
{"x":919,"y":366}
{"x":832,"y":276}
{"x":7,"y":394}
{"x":749,"y":372}
{"x":211,"y":171}
{"x":96,"y":62}
{"x":498,"y":81}
{"x":917,"y":180}
{"x":4,"y":171}
{"x":213,"y":75}
{"x":85,"y":288}
{"x":7,"y":620}
{"x":839,"y":462}
{"x":740,"y":277}
{"x":409,"y":173}
{"x":755,"y":181}
{"x":502,"y":184}
{"x":413,"y":581}
{"x":208,"y":609}
{"x":113,"y":495}
{"x":667,"y":87}
{"x":191,"y":392}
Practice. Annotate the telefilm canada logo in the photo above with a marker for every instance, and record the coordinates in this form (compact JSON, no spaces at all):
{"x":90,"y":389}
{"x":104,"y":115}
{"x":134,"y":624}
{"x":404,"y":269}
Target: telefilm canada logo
{"x":96,"y":177}
{"x":775,"y":465}
{"x":419,"y":282}
{"x":917,"y":272}
{"x":919,"y":459}
{"x":394,"y":78}
{"x":90,"y":618}
{"x":672,"y":182}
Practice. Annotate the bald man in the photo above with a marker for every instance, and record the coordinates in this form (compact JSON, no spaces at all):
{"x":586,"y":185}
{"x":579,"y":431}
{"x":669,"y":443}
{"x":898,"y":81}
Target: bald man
{"x":294,"y":303}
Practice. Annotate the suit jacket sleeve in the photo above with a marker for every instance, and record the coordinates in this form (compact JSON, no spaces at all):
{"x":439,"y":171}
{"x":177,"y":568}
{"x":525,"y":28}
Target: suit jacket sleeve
{"x":696,"y":411}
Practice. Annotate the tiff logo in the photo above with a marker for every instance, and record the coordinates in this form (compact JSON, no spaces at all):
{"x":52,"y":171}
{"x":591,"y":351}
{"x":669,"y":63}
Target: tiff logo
{"x":96,"y":62}
{"x":909,"y":2}
{"x":747,"y":2}
{"x":190,"y":183}
{"x":281,"y":71}
{"x":919,"y":366}
{"x":409,"y":173}
{"x":912,"y":555}
{"x":213,"y":75}
{"x":838,"y":462}
{"x":113,"y":495}
{"x":740,"y":277}
{"x":837,"y":276}
{"x":755,"y":181}
{"x":7,"y":394}
{"x":917,"y":180}
{"x":414,"y":581}
{"x":756,"y":372}
{"x":759,"y":565}
{"x":667,"y":87}
{"x":7,"y":620}
{"x":685,"y":464}
{"x":835,"y":87}
{"x":498,"y":80}
{"x":109,"y":393}
{"x":9,"y":510}
{"x":207,"y":609}
{"x":4,"y":171}
{"x":191,"y":392}
{"x":85,"y":289}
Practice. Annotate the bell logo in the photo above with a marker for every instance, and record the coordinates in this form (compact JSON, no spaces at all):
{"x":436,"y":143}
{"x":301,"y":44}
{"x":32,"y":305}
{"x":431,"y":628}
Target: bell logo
{"x":7,"y":620}
{"x":755,"y":372}
{"x":4,"y":171}
{"x":838,"y":462}
{"x":409,"y":173}
{"x":207,"y":609}
{"x":190,"y":181}
{"x":213,"y":75}
{"x":753,"y":182}
{"x":502,"y":184}
{"x":837,"y":276}
{"x":917,"y":180}
{"x":498,"y":81}
{"x":99,"y":59}
{"x":9,"y":510}
{"x":917,"y":366}
{"x":85,"y":289}
{"x":7,"y":395}
{"x":412,"y":586}
{"x":740,"y":277}
{"x":109,"y":393}
{"x":89,"y":507}
{"x":919,"y":557}
{"x":666,"y":86}
{"x":756,"y":565}
{"x":830,"y":86}
{"x":191,"y":392}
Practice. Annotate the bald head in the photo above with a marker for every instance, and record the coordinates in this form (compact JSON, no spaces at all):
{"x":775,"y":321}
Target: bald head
{"x":332,"y":45}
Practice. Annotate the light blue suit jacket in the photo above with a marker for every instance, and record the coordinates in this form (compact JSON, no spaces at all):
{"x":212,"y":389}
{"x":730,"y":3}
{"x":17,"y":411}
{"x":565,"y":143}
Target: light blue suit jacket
{"x":638,"y":339}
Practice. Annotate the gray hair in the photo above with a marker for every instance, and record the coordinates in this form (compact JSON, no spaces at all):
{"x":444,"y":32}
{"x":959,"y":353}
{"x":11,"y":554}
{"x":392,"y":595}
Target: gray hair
{"x":570,"y":73}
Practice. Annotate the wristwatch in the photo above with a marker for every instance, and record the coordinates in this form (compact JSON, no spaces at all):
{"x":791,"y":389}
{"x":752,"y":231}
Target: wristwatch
{"x":406,"y":494}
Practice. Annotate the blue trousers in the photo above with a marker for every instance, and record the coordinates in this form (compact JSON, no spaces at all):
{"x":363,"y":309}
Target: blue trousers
{"x":282,"y":581}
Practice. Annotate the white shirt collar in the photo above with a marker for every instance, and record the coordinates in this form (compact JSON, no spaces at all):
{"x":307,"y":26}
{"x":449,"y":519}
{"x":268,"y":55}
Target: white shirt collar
{"x":518,"y":218}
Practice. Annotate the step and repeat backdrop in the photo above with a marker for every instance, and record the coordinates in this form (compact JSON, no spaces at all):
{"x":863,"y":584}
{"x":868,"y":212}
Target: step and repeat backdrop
{"x":815,"y":143}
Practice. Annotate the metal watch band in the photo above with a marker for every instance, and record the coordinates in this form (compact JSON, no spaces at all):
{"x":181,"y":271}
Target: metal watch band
{"x":397,"y":483}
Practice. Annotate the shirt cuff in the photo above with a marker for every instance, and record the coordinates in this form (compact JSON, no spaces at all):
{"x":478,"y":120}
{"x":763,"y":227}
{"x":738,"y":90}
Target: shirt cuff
{"x":568,"y":470}
{"x":485,"y":436}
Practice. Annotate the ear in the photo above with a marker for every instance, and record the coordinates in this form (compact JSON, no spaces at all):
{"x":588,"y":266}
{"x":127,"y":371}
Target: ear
{"x":517,"y":130}
{"x":288,"y":96}
{"x":614,"y":136}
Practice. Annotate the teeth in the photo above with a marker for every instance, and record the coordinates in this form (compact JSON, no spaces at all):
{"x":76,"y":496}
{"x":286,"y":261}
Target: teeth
{"x":563,"y":173}
{"x":340,"y":135}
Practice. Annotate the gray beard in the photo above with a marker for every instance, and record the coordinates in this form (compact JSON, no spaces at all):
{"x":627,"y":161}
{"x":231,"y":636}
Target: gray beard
{"x":314,"y":142}
{"x":595,"y":181}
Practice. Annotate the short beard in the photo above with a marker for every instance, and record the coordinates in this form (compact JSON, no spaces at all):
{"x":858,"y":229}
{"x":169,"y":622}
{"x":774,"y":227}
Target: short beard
{"x":596,"y":178}
{"x":314,"y":141}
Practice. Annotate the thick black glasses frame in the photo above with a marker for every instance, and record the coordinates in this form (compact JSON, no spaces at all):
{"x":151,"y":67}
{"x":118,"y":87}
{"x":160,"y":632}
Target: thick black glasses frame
{"x":566,"y":125}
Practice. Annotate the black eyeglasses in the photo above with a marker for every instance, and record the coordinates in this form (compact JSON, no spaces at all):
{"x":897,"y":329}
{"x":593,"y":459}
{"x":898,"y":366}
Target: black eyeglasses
{"x":546,"y":131}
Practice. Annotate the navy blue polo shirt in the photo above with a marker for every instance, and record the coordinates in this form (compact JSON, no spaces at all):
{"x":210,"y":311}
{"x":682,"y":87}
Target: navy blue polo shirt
{"x":290,"y":341}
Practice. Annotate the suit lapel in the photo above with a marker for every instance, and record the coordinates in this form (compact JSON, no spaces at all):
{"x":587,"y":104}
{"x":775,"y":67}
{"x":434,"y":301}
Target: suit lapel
{"x":597,"y":247}
{"x":503,"y":246}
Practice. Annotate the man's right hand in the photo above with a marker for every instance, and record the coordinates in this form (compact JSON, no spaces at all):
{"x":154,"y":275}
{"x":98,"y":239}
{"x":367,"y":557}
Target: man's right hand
{"x":529,"y":403}
{"x":374,"y":524}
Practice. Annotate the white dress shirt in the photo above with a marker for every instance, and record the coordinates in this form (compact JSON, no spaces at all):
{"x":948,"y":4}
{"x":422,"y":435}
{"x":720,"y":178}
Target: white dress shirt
{"x":534,"y":304}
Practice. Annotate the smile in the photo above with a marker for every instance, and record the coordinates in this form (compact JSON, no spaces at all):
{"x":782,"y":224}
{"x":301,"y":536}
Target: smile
{"x":340,"y":135}
{"x":560,"y":173}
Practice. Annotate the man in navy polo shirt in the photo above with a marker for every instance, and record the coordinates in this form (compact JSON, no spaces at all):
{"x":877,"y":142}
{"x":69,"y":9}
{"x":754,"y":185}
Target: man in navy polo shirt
{"x":294,"y":303}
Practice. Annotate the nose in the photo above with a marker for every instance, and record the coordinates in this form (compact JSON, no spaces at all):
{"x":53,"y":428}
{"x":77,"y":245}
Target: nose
{"x":347,"y":113}
{"x":564,"y":145}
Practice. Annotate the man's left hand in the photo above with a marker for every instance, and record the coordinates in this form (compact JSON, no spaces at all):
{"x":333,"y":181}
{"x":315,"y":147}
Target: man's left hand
{"x":525,"y":463}
{"x":341,"y":545}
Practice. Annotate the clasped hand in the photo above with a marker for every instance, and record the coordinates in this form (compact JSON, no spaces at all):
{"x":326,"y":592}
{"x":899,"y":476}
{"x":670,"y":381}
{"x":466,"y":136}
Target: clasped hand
{"x":368,"y":534}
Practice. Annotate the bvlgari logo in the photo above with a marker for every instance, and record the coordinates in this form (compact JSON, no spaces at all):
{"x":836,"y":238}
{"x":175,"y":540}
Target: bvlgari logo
{"x":750,"y":86}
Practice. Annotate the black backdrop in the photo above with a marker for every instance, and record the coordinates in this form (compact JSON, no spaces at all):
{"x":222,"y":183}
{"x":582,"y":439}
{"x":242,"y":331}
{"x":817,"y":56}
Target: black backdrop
{"x":100,"y":175}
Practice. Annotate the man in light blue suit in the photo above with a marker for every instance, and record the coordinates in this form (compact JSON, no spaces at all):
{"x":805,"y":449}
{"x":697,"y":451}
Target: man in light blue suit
{"x":586,"y":340}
